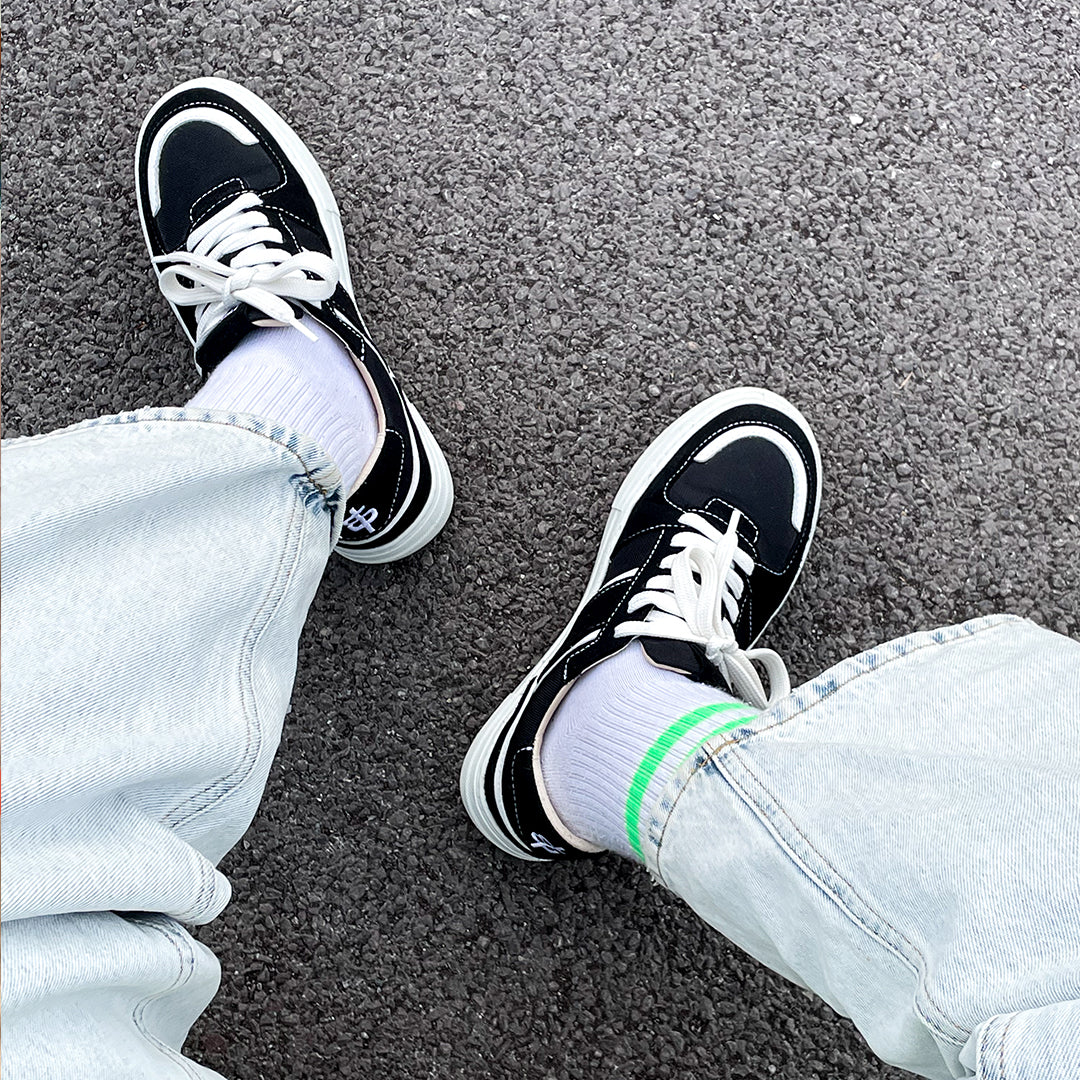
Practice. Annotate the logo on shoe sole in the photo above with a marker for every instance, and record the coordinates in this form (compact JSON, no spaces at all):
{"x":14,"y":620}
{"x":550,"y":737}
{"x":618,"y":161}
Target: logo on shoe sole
{"x":362,"y":518}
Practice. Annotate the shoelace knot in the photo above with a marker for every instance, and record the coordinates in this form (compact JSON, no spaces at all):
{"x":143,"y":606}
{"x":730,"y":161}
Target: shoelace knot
{"x":263,"y":276}
{"x":697,"y":601}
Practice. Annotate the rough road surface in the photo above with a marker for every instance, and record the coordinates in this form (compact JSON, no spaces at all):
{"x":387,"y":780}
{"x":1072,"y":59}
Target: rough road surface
{"x":571,"y":222}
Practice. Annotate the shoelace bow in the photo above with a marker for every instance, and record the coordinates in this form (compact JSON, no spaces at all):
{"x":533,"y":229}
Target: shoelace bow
{"x":256,"y":274}
{"x":697,"y":601}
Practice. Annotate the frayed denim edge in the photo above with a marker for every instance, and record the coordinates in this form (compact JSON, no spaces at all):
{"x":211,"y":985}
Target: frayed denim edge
{"x":317,"y":480}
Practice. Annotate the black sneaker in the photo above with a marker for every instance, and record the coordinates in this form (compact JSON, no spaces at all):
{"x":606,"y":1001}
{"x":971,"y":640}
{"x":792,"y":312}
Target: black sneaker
{"x":244,"y":231}
{"x":704,"y":541}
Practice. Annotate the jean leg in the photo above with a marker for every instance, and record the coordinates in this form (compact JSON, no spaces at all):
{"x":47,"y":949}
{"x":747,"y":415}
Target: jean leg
{"x":1033,"y":1044}
{"x":157,"y":570}
{"x":902,"y":836}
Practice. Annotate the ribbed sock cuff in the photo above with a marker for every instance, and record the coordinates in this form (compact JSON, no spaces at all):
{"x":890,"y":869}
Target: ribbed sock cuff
{"x":311,"y":386}
{"x":619,"y":736}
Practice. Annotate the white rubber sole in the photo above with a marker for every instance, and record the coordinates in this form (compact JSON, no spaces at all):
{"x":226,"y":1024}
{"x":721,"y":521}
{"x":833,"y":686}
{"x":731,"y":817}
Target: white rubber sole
{"x":430,"y":521}
{"x":641,"y":475}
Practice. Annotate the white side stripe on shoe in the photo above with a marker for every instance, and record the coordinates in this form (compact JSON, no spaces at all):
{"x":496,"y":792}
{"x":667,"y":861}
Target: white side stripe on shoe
{"x":785,"y":446}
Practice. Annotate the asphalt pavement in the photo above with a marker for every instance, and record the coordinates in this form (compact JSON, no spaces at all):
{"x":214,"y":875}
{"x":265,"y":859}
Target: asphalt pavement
{"x":572,"y":221}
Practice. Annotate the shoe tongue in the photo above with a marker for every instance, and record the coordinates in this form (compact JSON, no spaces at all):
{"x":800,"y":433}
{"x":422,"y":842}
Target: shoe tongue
{"x":220,"y":332}
{"x":684,"y":657}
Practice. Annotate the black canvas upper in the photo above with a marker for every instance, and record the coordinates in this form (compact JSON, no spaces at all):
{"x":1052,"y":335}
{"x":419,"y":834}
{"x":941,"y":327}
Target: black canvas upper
{"x":751,"y":475}
{"x":202,"y":168}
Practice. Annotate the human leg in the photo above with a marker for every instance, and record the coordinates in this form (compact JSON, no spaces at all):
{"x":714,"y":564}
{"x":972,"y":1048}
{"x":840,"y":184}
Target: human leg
{"x":901,"y":836}
{"x":244,"y":232}
{"x":931,"y":782}
{"x":688,"y":578}
{"x":157,"y":569}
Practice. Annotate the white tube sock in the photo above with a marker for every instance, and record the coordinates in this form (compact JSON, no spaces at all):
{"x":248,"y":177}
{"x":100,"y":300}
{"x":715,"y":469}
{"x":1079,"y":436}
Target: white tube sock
{"x":619,"y":736}
{"x":312,"y":386}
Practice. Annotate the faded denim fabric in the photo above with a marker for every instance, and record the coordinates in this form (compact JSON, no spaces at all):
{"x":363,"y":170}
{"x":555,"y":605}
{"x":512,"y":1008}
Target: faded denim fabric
{"x":902,"y":836}
{"x":157,"y":568}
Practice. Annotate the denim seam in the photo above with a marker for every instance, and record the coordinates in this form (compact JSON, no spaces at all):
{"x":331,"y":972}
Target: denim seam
{"x":983,"y":1049}
{"x":180,"y":415}
{"x":899,"y":945}
{"x":930,"y":643}
{"x":207,"y":888}
{"x":272,"y":599}
{"x":309,"y":474}
{"x":273,"y":603}
{"x":728,"y":749}
{"x":186,"y":959}
{"x":1001,"y":1046}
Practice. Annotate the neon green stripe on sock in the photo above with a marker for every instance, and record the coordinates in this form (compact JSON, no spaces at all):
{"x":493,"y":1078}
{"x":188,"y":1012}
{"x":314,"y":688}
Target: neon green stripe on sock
{"x":659,"y":750}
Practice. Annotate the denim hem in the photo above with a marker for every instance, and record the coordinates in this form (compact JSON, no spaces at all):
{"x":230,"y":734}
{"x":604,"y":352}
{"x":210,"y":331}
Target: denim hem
{"x":797,"y":702}
{"x":320,"y":477}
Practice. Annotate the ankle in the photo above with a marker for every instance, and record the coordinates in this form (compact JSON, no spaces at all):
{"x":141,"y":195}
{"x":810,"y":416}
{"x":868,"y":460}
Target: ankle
{"x":618,"y":738}
{"x":312,"y":386}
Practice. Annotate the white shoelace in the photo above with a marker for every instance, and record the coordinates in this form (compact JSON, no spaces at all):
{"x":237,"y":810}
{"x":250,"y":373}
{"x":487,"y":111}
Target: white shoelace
{"x":697,"y":601}
{"x":257,"y":274}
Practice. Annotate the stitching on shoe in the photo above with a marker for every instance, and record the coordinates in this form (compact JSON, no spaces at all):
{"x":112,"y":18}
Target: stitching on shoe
{"x":265,"y":143}
{"x":610,"y":586}
{"x":514,"y":786}
{"x":285,"y":225}
{"x":630,"y":583}
{"x":708,"y":514}
{"x":313,"y":227}
{"x":716,"y":518}
{"x":331,"y":308}
{"x":176,"y":108}
{"x":210,"y":209}
{"x":757,"y":532}
{"x":714,"y":435}
{"x":713,"y":515}
{"x":401,"y":466}
{"x":704,"y":513}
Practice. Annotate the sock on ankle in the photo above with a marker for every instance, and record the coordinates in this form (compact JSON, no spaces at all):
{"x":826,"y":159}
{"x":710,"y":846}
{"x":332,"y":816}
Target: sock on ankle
{"x":618,"y":737}
{"x":312,"y":386}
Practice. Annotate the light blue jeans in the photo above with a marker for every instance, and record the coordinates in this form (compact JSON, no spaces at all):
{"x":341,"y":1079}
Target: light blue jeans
{"x":901,"y":835}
